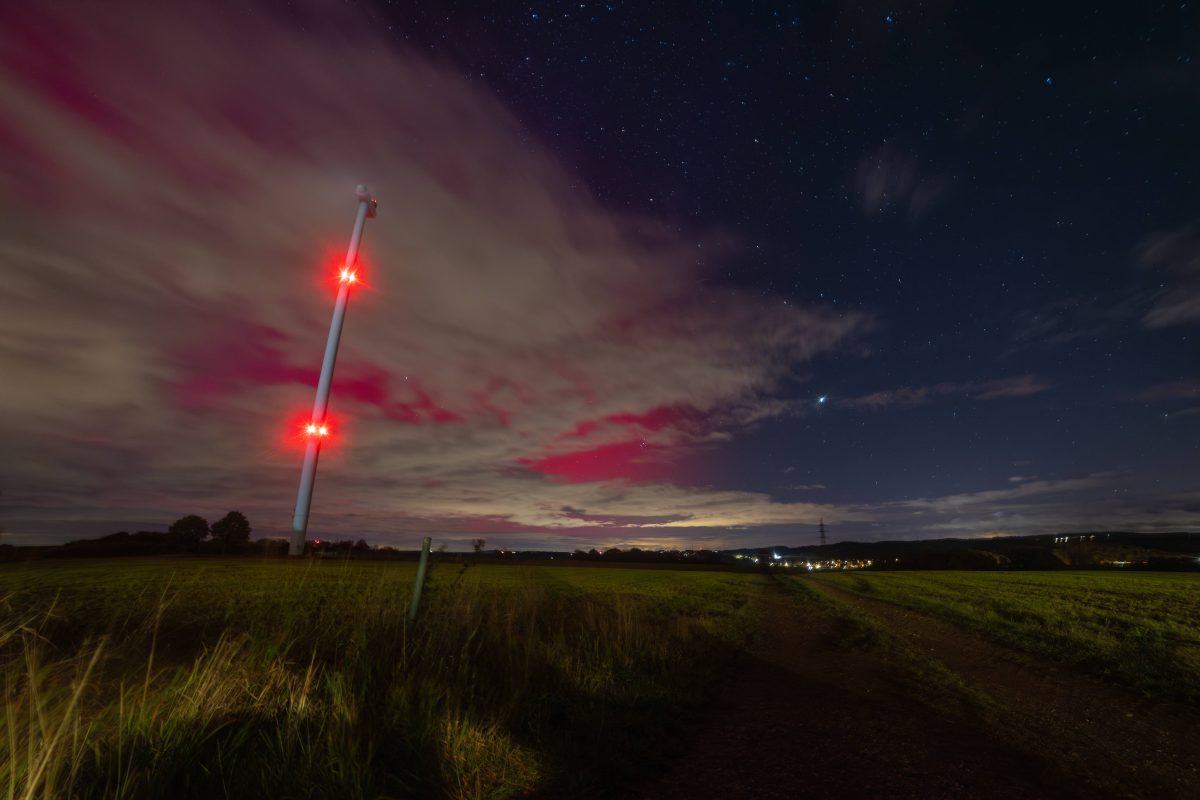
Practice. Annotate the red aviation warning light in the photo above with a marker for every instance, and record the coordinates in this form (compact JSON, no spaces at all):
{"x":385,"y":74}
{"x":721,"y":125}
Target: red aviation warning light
{"x":313,"y":429}
{"x":348,"y":275}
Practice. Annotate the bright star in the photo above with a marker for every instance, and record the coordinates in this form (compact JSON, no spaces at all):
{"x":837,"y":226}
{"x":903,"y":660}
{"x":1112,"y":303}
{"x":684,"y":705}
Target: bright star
{"x":821,"y":400}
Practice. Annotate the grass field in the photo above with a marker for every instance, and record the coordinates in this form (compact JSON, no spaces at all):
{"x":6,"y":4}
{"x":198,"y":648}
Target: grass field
{"x":193,"y":677}
{"x":1140,"y":629}
{"x":206,"y":678}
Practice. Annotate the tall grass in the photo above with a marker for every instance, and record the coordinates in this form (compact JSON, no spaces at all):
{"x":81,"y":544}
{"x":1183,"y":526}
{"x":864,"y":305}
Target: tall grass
{"x":273,"y":680}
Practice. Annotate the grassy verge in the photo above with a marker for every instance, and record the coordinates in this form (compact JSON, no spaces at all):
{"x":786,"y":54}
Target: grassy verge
{"x":197,"y":678}
{"x":1140,"y":629}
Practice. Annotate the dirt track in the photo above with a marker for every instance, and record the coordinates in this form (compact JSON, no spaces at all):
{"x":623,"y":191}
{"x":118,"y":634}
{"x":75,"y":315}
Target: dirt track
{"x":1120,"y":743}
{"x":809,"y":717}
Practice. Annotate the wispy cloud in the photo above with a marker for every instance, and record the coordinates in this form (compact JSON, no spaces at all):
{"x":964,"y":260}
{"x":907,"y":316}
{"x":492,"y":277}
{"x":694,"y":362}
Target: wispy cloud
{"x":1107,"y":500}
{"x":889,"y":178}
{"x":990,"y":499}
{"x":910,"y":396}
{"x":1173,"y":390}
{"x":1062,"y":321}
{"x":1176,"y":252}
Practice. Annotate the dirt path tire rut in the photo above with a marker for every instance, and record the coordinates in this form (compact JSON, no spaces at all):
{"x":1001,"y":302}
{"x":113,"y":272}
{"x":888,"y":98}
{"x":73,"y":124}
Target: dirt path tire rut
{"x":1118,"y":743}
{"x":807,"y":717}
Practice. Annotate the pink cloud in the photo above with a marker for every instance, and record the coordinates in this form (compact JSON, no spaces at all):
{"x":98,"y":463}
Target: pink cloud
{"x":248,"y":354}
{"x":635,"y":460}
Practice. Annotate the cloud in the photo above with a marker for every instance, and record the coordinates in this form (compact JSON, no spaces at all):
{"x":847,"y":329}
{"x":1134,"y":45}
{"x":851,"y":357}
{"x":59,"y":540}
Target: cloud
{"x":991,"y":498}
{"x":1064,"y":321}
{"x":1019,"y":386}
{"x":888,"y":178}
{"x":911,"y":396}
{"x":1099,"y":501}
{"x":1176,"y":252}
{"x":1174,"y":390}
{"x":176,"y":188}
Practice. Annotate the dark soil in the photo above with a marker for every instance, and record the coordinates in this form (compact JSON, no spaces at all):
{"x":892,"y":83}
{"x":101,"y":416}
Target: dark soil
{"x":810,"y":717}
{"x":1118,"y":742}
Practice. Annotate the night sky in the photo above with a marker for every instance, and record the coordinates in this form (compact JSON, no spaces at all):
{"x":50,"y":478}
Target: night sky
{"x":643,"y":274}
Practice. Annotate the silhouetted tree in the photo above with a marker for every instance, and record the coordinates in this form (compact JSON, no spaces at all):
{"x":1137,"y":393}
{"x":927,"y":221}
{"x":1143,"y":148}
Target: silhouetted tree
{"x":478,"y":545}
{"x":189,"y":530}
{"x":361,"y":544}
{"x":232,"y":531}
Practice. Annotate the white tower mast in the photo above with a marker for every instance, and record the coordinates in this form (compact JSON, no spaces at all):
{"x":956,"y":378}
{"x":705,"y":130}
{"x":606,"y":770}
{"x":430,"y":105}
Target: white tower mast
{"x":317,"y":428}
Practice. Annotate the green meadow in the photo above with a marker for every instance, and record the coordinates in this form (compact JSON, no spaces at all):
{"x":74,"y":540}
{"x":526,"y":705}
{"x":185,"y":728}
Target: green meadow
{"x":181,"y":677}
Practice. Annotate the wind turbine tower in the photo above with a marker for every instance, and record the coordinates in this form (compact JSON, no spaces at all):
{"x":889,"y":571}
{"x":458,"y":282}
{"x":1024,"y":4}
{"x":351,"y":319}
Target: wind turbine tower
{"x":318,"y":426}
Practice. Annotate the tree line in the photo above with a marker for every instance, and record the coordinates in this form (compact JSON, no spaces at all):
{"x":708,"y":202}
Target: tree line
{"x":190,"y":533}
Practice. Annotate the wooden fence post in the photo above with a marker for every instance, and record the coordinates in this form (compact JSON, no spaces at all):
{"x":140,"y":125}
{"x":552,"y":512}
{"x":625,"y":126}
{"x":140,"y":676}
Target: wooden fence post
{"x":421,"y":565}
